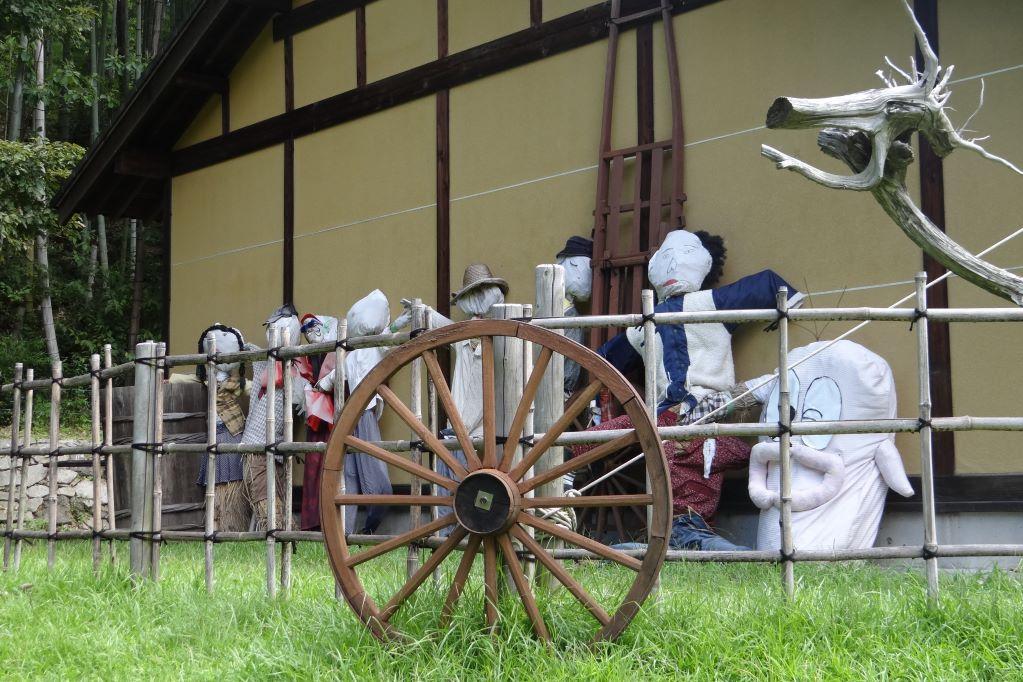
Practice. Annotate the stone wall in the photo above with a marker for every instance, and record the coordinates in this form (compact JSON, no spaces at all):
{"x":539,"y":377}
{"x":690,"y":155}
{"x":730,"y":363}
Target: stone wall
{"x":74,"y":491}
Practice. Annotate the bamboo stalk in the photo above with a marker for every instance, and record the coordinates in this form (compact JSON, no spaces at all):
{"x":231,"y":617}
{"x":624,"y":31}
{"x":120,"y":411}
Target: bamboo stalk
{"x":141,"y":462}
{"x":210,"y":526}
{"x":51,"y":474}
{"x":926,"y":444}
{"x":108,"y":440}
{"x":416,"y":405}
{"x":529,"y":563}
{"x":784,"y":444}
{"x":157,"y":454}
{"x":650,"y":363}
{"x":289,"y":432}
{"x":271,"y":463}
{"x":97,"y":470}
{"x":15,"y":424}
{"x":23,"y":468}
{"x":340,"y":355}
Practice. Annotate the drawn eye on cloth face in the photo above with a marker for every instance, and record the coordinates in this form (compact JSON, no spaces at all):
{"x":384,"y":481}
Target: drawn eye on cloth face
{"x":822,"y":402}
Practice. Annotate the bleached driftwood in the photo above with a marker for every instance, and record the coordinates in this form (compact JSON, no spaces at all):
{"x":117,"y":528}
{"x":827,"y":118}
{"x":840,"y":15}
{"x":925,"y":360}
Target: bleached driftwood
{"x":870,"y":132}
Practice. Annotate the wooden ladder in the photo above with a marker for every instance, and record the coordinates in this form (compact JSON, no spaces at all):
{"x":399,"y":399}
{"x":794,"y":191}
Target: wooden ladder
{"x":627,"y":230}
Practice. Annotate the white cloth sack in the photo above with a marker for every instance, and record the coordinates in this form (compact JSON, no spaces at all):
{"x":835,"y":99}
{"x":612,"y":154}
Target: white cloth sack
{"x":840,"y":482}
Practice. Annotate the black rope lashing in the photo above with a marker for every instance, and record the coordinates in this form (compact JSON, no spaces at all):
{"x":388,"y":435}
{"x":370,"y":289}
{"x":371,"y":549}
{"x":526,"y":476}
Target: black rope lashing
{"x":54,"y":453}
{"x":151,"y":535}
{"x":213,"y":357}
{"x":271,"y":448}
{"x":930,"y":552}
{"x":917,"y":316}
{"x":648,"y":317}
{"x":59,"y":381}
{"x":155,"y":362}
{"x":98,"y":450}
{"x":274,"y":353}
{"x":784,"y":430}
{"x":96,"y":373}
{"x":213,"y":448}
{"x":213,"y":537}
{"x":527,"y":441}
{"x":52,"y":536}
{"x":416,"y":332}
{"x":787,"y":557}
{"x":98,"y":534}
{"x":152,"y":448}
{"x":272,"y":533}
{"x":922,"y":424}
{"x":417,"y":445}
{"x":343,"y":345}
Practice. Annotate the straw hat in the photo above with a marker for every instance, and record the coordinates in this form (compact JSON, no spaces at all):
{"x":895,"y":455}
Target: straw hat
{"x":475,"y":276}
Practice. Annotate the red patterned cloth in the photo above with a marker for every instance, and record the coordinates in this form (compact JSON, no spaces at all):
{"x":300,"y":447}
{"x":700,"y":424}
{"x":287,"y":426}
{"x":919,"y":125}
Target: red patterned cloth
{"x":689,"y":489}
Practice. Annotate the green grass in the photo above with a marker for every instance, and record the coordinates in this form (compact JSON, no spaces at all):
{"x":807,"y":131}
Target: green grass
{"x":726,"y":622}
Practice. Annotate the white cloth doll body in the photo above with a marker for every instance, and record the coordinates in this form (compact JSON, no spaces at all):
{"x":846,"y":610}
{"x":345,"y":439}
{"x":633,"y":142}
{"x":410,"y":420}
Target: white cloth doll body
{"x":839,"y":483}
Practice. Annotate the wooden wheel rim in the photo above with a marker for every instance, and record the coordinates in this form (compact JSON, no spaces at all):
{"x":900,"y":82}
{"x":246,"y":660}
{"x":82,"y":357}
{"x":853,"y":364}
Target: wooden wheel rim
{"x":351,"y":586}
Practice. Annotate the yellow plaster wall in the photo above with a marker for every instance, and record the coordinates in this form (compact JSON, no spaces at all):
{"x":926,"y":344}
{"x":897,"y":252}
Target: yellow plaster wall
{"x":983,"y":203}
{"x":226,"y":246}
{"x":324,"y":60}
{"x":472,"y":22}
{"x":207,"y":124}
{"x":257,"y":81}
{"x":400,"y":34}
{"x":552,"y":9}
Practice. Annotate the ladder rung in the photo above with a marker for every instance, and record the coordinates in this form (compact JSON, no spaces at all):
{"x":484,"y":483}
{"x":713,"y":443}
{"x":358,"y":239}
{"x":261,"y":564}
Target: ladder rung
{"x":637,"y":16}
{"x":626,"y":208}
{"x":627,"y":152}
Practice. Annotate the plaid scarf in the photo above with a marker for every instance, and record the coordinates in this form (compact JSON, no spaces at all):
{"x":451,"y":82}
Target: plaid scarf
{"x":229,"y":407}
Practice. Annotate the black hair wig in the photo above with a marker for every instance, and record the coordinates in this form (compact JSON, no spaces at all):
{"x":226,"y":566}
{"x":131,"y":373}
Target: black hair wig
{"x":715,"y":245}
{"x":200,"y":370}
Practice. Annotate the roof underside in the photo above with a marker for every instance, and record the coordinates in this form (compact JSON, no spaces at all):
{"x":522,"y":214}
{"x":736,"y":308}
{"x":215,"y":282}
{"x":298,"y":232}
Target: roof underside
{"x":159,"y":109}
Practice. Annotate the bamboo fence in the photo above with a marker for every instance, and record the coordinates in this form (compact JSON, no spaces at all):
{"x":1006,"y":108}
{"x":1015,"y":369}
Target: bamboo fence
{"x":148,"y":449}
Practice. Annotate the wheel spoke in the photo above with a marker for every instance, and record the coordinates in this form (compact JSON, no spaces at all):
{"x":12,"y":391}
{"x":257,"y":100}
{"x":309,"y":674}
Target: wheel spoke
{"x":395,"y":500}
{"x":522,"y":411}
{"x":523,"y":587}
{"x":490,"y":582}
{"x":448,"y":401}
{"x":401,"y":540}
{"x":489,"y":408}
{"x":400,"y":462}
{"x":586,"y":501}
{"x":581,"y":541}
{"x":563,"y":576}
{"x":574,"y":408}
{"x":579,"y":462}
{"x":417,"y":578}
{"x":461,"y":575}
{"x":431,"y":440}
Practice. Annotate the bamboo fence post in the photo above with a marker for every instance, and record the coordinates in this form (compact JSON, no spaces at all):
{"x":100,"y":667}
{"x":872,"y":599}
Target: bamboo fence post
{"x":529,"y":562}
{"x":210,"y":530}
{"x":108,"y":440}
{"x":650,"y":363}
{"x":157,"y":457}
{"x":507,"y":392}
{"x":926,"y":444}
{"x":416,"y":453}
{"x":23,"y":470}
{"x":784,"y":443}
{"x":14,"y":454}
{"x":97,"y":469}
{"x":141,"y":467}
{"x":434,"y":426}
{"x":271,"y":464}
{"x":550,"y":396}
{"x":340,"y":355}
{"x":51,"y":510}
{"x":288,"y":437}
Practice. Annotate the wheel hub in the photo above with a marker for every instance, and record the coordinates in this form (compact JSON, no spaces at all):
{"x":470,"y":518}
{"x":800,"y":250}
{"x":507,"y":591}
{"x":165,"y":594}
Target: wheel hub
{"x":487,"y":502}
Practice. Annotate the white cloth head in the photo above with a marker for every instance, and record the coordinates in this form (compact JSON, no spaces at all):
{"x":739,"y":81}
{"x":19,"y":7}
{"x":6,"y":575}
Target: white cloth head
{"x":325,"y":331}
{"x":226,"y":343}
{"x":578,"y":277}
{"x":289,"y":323}
{"x":369,"y":315}
{"x":680,"y":265}
{"x":842,"y":479}
{"x":480,"y":300}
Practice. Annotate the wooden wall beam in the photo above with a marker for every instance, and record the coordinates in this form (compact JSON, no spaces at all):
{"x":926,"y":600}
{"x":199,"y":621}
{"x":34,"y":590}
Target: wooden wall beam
{"x":313,"y":14}
{"x":552,"y":37}
{"x":535,"y":12}
{"x":360,"y":47}
{"x":288,"y":250}
{"x":202,"y":82}
{"x":932,"y":203}
{"x":142,"y":164}
{"x":443,"y":173}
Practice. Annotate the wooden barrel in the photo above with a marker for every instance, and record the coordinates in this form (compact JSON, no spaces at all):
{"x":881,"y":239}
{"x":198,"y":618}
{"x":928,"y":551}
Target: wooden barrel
{"x":184,"y":421}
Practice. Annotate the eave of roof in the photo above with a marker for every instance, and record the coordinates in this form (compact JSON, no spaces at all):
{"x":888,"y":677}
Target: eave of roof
{"x":159,"y":109}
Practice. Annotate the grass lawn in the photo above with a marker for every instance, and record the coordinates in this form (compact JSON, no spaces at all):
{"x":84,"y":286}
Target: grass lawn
{"x":725,"y":621}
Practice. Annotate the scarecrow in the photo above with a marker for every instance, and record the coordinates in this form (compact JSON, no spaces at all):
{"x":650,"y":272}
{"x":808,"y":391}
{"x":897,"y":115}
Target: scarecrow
{"x":284,"y":317}
{"x":231,"y":512}
{"x":839,"y":482}
{"x":575,"y":258}
{"x":319,"y":409}
{"x":695,"y":371}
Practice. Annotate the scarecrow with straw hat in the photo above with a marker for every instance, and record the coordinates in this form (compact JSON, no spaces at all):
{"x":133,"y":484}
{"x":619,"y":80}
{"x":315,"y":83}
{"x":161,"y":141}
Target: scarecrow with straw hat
{"x":480,"y":291}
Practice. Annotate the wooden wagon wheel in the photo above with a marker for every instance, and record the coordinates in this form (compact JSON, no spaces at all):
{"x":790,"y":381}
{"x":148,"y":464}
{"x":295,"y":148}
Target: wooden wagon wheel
{"x":488,"y":506}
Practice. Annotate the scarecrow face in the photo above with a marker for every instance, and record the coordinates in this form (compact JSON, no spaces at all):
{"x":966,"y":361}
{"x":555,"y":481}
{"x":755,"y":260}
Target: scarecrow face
{"x":680,"y":265}
{"x":848,"y":382}
{"x":578,"y":277}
